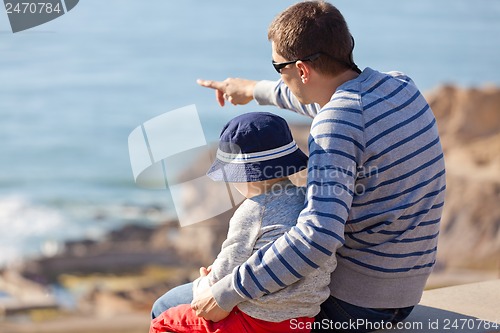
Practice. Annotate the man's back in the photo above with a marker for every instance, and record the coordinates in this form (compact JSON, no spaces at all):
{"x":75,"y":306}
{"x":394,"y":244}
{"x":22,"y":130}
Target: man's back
{"x":397,"y":198}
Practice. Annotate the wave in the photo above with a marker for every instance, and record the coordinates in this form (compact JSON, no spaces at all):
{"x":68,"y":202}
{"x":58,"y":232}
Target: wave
{"x":31,"y":229}
{"x":26,"y":227}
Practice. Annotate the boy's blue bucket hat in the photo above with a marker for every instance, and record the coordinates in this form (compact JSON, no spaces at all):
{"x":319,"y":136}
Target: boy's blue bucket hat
{"x":256,"y":146}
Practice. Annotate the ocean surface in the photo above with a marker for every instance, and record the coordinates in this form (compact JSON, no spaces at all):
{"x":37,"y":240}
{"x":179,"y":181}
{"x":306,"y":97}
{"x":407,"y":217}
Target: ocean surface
{"x":72,"y":90}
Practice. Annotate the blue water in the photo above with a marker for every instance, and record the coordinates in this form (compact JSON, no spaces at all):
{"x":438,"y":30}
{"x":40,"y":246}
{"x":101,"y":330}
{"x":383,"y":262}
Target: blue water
{"x":73,"y":89}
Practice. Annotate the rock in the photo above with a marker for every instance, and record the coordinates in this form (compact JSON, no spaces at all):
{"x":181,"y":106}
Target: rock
{"x":125,"y":250}
{"x":465,"y":115}
{"x":23,"y":296}
{"x":469,"y":125}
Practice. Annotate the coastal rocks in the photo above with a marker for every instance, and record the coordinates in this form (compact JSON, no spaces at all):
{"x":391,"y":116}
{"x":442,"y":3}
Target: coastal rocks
{"x":122,"y":274}
{"x":469,"y":125}
{"x":121,"y":251}
{"x":18,"y":294}
{"x":465,"y":115}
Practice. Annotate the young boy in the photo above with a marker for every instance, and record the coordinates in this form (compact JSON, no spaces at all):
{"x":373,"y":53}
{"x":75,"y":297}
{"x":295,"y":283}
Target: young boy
{"x":257,"y":154}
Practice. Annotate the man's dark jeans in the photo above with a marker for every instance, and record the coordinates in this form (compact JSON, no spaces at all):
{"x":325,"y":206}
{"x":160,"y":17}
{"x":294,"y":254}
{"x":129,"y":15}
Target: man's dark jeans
{"x":340,"y":316}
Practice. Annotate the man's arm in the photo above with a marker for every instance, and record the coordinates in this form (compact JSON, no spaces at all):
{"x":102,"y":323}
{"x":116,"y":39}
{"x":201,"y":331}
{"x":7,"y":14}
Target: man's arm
{"x":241,"y":91}
{"x":277,"y":93}
{"x":235,"y":91}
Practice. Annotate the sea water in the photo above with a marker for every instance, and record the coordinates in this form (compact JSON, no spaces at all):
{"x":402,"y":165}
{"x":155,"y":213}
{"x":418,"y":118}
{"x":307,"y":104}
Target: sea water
{"x":73,"y":89}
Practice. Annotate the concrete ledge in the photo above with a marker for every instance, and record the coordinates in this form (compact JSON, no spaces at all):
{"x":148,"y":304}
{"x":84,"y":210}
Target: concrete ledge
{"x":470,"y":308}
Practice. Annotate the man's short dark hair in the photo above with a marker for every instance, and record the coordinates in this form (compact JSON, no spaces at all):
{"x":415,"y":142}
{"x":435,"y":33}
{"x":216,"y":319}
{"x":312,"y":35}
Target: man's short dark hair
{"x":310,"y":27}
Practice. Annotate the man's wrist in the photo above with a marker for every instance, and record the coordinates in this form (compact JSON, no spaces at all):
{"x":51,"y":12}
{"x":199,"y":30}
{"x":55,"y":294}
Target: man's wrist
{"x":225,"y":294}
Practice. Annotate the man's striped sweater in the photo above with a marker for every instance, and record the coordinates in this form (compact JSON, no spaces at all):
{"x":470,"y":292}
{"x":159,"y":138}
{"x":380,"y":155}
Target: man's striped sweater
{"x":375,"y":193}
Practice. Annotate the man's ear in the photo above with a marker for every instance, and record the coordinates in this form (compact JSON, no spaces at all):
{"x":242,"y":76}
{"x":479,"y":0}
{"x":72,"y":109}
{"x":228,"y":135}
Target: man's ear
{"x":304,"y":71}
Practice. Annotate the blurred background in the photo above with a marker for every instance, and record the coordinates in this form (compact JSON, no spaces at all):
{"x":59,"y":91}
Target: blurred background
{"x":79,"y":240}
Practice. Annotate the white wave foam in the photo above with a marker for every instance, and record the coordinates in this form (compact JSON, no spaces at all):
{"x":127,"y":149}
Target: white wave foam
{"x":25,"y":228}
{"x":28,"y":228}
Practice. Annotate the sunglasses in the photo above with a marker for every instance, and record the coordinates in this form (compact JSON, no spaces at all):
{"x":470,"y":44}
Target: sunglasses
{"x":278,"y":66}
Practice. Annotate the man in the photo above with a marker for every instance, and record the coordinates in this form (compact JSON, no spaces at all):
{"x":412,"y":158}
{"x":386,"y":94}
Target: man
{"x":376,"y":179}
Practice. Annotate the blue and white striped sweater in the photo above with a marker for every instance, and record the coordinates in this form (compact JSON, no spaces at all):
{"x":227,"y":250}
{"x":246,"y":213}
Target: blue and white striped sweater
{"x":375,"y":193}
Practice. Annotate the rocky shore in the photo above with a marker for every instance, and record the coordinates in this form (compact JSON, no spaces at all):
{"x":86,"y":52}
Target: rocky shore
{"x":109,"y":285}
{"x":469,"y":123}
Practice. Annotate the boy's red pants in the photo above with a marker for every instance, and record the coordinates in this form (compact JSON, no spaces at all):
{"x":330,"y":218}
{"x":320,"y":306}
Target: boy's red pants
{"x":182,"y":319}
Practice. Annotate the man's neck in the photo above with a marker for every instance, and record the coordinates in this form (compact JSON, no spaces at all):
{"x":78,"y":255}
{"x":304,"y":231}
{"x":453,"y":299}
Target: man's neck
{"x":327,"y":85}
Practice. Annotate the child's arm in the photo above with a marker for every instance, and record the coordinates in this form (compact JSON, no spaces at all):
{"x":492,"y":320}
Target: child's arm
{"x":244,"y":229}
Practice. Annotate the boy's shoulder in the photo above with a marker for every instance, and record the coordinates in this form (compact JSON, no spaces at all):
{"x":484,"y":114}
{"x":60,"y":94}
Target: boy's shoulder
{"x":283,"y":191}
{"x":282,"y":204}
